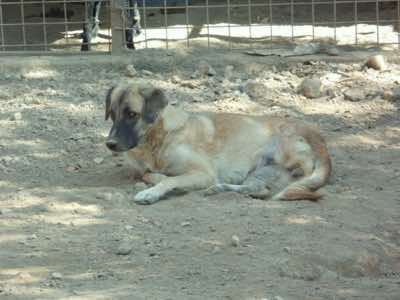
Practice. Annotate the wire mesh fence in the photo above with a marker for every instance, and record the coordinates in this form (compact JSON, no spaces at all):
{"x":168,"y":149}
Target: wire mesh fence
{"x":76,"y":25}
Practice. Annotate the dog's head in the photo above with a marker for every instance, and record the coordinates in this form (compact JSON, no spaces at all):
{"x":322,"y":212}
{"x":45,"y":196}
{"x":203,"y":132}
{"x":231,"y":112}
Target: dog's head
{"x":132,"y":108}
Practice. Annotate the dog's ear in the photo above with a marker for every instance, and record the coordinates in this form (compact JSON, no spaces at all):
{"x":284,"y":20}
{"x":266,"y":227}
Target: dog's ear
{"x":108,"y":102}
{"x":154,"y":102}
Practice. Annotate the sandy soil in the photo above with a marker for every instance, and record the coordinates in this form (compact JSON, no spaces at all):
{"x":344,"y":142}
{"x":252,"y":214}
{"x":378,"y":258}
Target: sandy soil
{"x":69,"y":228}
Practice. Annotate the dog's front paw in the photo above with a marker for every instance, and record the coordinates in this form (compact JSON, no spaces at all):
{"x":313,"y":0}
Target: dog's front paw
{"x":215,"y":189}
{"x":148,"y":196}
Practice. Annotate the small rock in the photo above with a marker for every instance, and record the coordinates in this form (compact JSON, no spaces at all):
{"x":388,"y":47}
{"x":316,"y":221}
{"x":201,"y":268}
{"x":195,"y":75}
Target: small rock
{"x":131,"y":71}
{"x":287,"y":249}
{"x":128,"y":227}
{"x":216,"y":249}
{"x":307,"y":48}
{"x":396,"y":94}
{"x":228,"y":72}
{"x":278,"y":298}
{"x":298,"y":268}
{"x":310,"y":88}
{"x":255,"y":89}
{"x":331,"y":93}
{"x":71,"y":169}
{"x":56,"y":276}
{"x":235,"y":241}
{"x":387,"y":95}
{"x":147,"y":73}
{"x":343,"y":67}
{"x":376,"y":62}
{"x":107,"y":196}
{"x":4,"y":95}
{"x":211,"y":72}
{"x":196,"y":74}
{"x":354,"y":94}
{"x":32,"y":237}
{"x":332,"y":51}
{"x":175,"y":79}
{"x":124,"y":248}
{"x":185,"y":224}
{"x":205,"y":69}
{"x":98,"y":160}
{"x":16,"y":117}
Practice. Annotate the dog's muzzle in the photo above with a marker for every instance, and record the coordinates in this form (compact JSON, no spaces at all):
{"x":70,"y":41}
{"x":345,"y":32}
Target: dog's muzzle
{"x":111,"y":144}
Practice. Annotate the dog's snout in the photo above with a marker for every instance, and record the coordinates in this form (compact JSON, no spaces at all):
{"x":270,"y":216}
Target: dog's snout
{"x":111,"y":144}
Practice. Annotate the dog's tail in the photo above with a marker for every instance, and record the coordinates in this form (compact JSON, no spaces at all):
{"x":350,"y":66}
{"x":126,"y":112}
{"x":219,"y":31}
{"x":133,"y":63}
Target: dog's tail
{"x":305,"y":188}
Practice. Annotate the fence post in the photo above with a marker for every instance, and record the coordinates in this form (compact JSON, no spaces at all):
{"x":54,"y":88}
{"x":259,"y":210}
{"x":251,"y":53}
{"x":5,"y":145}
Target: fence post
{"x":117,"y":40}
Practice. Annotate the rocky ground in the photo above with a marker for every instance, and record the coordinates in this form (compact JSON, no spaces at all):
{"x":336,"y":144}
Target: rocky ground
{"x":70,"y":230}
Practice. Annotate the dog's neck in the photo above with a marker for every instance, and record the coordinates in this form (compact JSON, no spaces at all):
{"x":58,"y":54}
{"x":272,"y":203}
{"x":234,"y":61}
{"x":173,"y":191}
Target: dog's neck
{"x":173,"y":118}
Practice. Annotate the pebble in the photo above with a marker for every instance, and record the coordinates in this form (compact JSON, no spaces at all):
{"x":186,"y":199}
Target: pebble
{"x":98,"y":160}
{"x":396,"y":94}
{"x":16,"y":117}
{"x":376,"y":62}
{"x":332,"y":51}
{"x":310,"y":88}
{"x":147,"y":73}
{"x":124,"y":248}
{"x":4,"y":95}
{"x":235,"y":241}
{"x":204,"y":69}
{"x":387,"y":95}
{"x":175,"y":79}
{"x":185,"y":224}
{"x":131,"y":71}
{"x":354,"y":94}
{"x":228,"y":72}
{"x":32,"y":237}
{"x":56,"y":276}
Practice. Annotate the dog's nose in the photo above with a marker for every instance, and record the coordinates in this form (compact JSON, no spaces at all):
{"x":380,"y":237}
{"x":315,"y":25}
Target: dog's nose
{"x":111,"y":144}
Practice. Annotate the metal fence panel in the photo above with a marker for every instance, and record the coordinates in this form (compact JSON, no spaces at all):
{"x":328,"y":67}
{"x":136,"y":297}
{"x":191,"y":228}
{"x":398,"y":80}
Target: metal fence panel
{"x":56,"y":26}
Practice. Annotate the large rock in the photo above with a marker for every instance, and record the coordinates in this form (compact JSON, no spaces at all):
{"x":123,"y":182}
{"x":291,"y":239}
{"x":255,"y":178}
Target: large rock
{"x":354,"y":94}
{"x":255,"y":89}
{"x":376,"y":62}
{"x":298,"y":268}
{"x":310,"y":88}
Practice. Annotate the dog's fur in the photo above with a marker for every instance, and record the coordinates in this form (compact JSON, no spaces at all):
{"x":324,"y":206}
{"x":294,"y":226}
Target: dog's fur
{"x":178,"y":150}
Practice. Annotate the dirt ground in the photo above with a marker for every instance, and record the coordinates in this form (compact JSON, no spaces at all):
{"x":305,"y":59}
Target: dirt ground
{"x":69,"y":228}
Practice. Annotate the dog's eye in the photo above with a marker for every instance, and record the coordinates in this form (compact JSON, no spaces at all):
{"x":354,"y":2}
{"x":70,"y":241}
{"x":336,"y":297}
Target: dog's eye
{"x":132,"y":115}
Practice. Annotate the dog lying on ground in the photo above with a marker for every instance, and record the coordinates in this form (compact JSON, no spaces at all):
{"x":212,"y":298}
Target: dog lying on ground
{"x":177,"y":150}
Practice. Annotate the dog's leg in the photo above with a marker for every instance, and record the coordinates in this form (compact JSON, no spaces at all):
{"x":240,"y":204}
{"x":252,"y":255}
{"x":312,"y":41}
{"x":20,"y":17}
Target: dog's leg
{"x":153,"y":178}
{"x":133,"y":23}
{"x":258,"y":183}
{"x":187,"y":182}
{"x":91,"y":26}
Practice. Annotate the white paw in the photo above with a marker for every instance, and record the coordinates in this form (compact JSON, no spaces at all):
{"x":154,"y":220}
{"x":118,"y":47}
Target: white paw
{"x":148,"y":196}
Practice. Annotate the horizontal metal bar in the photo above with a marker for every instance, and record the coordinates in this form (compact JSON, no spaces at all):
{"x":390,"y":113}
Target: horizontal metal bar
{"x":210,"y":25}
{"x":53,"y":46}
{"x":44,"y":23}
{"x":209,"y":6}
{"x":49,"y":52}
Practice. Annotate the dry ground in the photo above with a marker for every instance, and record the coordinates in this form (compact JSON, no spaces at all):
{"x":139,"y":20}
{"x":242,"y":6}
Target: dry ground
{"x":66,"y":206}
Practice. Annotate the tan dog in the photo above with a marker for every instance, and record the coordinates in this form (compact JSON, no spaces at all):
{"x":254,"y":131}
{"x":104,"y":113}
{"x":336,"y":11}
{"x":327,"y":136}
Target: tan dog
{"x":177,"y":150}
